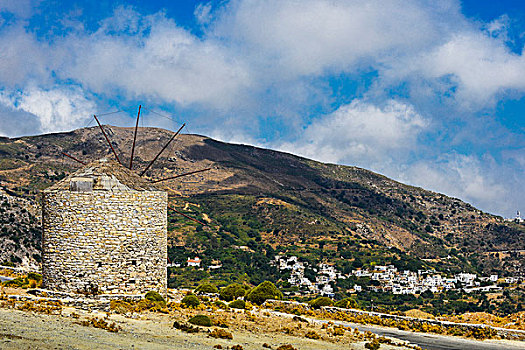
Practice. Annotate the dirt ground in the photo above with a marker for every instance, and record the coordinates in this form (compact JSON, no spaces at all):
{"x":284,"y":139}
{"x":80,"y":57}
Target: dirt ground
{"x":29,"y":330}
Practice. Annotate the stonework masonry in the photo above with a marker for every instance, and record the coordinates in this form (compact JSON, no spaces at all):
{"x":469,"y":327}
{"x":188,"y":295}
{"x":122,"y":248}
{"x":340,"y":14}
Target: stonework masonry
{"x":104,"y":242}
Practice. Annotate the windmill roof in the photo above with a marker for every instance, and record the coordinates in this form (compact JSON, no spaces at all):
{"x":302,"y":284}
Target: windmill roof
{"x":103,"y":175}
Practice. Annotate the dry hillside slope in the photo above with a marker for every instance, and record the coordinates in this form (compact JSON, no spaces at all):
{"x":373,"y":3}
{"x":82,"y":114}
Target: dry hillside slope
{"x":294,"y":201}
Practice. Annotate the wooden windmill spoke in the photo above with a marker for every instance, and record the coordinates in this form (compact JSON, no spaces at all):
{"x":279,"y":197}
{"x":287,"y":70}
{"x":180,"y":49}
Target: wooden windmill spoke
{"x":70,"y":156}
{"x":181,"y":175}
{"x":107,"y":139}
{"x":162,"y":150}
{"x":134,"y":139}
{"x":186,"y":216}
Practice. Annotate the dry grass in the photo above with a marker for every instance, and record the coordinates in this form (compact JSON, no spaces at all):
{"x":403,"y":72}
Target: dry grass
{"x":513,"y":321}
{"x":128,"y":306}
{"x":10,"y":273}
{"x":102,"y":323}
{"x":419,"y":314}
{"x":221,"y":333}
{"x":39,"y":306}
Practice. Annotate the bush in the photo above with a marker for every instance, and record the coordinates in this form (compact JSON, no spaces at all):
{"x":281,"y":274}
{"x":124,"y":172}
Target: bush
{"x":206,"y":288}
{"x":185,"y":327}
{"x":154,"y":296}
{"x":347,"y":303}
{"x":101,"y":323}
{"x":238,"y":304}
{"x":264,"y":291}
{"x":34,"y":276}
{"x":321,"y":301}
{"x":120,"y":306}
{"x":32,"y":280}
{"x":200,"y":320}
{"x":312,"y":335}
{"x":190,"y":300}
{"x":232,"y":292}
{"x":221,"y":333}
{"x":145,"y":304}
{"x":338,"y":331}
{"x":220,"y":305}
{"x":374,"y":345}
{"x":286,"y":347}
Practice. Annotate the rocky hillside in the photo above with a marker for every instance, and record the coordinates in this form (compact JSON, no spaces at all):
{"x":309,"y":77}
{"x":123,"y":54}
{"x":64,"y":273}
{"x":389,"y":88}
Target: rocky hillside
{"x":20,"y":233}
{"x":267,"y":200}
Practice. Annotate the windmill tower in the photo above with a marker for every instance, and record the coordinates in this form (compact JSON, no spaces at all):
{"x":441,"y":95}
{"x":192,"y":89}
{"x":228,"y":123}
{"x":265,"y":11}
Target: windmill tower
{"x":105,"y":229}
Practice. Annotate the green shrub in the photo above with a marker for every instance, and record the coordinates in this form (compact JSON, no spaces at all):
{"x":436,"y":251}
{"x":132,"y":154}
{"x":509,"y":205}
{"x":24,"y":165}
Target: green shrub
{"x":33,"y":280}
{"x":321,"y":301}
{"x":264,"y":291}
{"x":347,"y":303}
{"x":18,"y":282}
{"x":220,"y":305}
{"x":206,"y":288}
{"x":154,"y":296}
{"x":238,"y":304}
{"x":190,"y":300}
{"x":200,"y":320}
{"x":34,"y":276}
{"x":373,"y":345}
{"x":232,"y":292}
{"x":145,"y":304}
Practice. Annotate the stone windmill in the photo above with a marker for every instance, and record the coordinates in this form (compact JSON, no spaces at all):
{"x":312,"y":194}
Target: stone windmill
{"x":105,"y":229}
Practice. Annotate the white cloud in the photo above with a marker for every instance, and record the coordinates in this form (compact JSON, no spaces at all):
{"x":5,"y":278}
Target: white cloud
{"x":131,"y":55}
{"x":309,"y":37}
{"x":480,"y":66}
{"x":360,"y":132}
{"x":263,"y":63}
{"x":21,"y":8}
{"x":59,"y":109}
{"x":158,"y":60}
{"x":203,"y":13}
{"x":22,"y":58}
{"x":253,"y":48}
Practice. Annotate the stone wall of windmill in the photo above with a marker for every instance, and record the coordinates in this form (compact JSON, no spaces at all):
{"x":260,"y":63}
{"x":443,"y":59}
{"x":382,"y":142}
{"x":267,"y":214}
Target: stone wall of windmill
{"x":104,"y":232}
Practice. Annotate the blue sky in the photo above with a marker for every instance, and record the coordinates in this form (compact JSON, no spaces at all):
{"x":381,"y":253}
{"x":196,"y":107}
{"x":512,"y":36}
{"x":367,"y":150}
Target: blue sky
{"x":428,"y":93}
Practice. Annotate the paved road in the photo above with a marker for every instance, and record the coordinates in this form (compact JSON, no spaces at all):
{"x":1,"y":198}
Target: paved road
{"x":426,"y":340}
{"x":439,"y":342}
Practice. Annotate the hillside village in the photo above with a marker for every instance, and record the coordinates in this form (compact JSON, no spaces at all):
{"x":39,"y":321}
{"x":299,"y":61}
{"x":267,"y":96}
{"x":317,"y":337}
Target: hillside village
{"x":387,"y":279}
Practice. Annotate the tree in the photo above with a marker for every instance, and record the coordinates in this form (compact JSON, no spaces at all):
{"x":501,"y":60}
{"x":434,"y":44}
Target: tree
{"x":264,"y":291}
{"x":427,"y":294}
{"x":357,"y":263}
{"x":232,"y":291}
{"x":347,"y":303}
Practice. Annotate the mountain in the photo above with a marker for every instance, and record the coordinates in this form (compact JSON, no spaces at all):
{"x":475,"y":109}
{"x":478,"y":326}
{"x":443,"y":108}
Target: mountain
{"x":261,"y":202}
